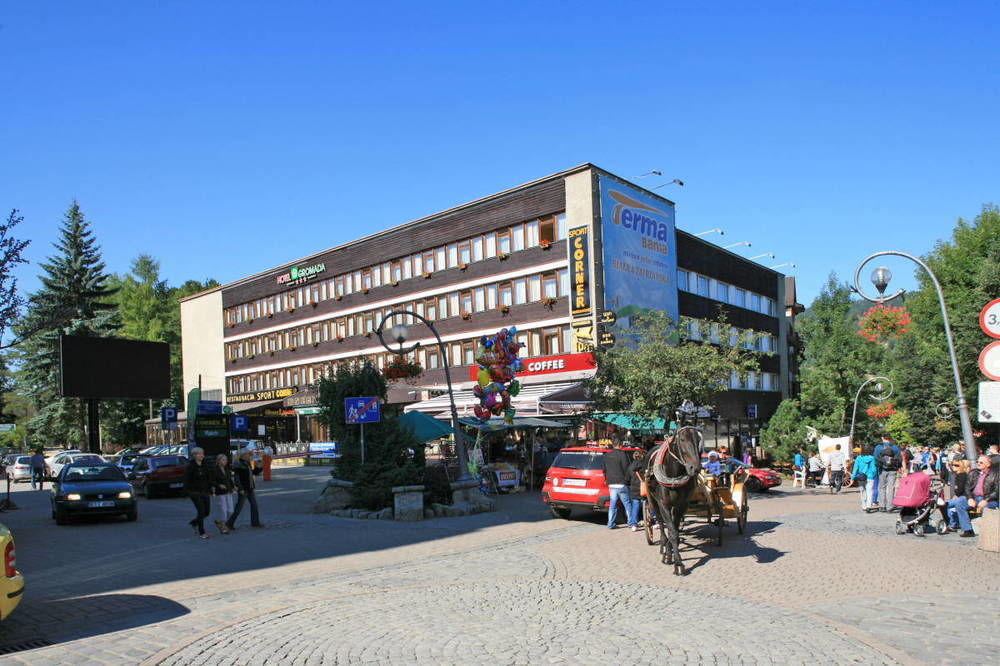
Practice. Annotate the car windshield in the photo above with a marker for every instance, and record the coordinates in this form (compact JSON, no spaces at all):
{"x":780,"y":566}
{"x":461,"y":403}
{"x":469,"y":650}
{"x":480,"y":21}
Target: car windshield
{"x":87,"y":459}
{"x":167,"y":461}
{"x":93,"y":473}
{"x":578,"y":460}
{"x":23,"y":460}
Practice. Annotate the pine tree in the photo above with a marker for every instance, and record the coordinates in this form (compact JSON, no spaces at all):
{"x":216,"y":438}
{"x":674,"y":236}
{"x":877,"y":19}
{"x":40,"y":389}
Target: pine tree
{"x":75,"y":299}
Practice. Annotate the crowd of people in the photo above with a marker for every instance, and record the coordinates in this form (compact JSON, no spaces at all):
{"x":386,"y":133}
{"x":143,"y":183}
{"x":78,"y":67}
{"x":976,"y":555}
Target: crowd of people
{"x":965,"y":487}
{"x":212,"y":487}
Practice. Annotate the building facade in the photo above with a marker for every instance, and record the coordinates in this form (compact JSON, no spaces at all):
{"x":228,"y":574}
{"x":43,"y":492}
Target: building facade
{"x":554,"y":257}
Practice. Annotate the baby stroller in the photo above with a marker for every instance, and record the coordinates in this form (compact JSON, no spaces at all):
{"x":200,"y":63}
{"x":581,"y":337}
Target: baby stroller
{"x":917,"y":502}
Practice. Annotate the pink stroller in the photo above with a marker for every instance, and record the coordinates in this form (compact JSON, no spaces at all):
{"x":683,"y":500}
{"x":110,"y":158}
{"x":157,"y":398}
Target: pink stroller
{"x":917,"y":503}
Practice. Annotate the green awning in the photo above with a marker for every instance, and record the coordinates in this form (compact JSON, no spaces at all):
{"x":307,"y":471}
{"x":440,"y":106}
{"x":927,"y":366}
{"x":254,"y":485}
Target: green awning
{"x":425,"y":426}
{"x":635,"y":423}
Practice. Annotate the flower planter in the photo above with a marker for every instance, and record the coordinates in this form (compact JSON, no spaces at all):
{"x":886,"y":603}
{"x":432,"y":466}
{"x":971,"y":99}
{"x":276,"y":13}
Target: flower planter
{"x":503,"y":256}
{"x":546,"y":245}
{"x":466,"y":315}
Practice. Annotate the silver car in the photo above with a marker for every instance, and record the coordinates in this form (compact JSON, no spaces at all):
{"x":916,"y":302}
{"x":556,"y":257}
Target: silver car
{"x":18,"y":468}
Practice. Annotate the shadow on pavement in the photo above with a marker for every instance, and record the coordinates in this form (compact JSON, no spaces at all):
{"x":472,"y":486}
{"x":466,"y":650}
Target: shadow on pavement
{"x":733,"y":543}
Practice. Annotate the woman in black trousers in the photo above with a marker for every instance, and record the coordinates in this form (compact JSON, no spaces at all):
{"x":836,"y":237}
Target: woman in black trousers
{"x":198,"y":484}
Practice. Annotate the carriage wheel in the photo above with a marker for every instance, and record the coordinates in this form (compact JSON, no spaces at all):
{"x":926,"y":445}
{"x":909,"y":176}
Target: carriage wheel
{"x":647,"y":520}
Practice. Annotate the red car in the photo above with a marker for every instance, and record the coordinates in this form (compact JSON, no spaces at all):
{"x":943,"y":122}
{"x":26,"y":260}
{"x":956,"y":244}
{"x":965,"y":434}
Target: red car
{"x":576,"y":479}
{"x":762,"y":479}
{"x":158,"y":475}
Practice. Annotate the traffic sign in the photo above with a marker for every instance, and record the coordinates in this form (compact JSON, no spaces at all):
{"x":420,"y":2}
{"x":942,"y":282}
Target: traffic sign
{"x":209,"y":406}
{"x":240,"y":422}
{"x":752,"y":411}
{"x":989,"y":402}
{"x":8,"y":427}
{"x":989,"y":318}
{"x":362,"y":410}
{"x":989,"y":361}
{"x":168,"y":418}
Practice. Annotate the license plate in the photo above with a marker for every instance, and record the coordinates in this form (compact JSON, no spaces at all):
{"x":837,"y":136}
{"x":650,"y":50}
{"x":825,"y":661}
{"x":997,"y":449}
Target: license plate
{"x":507,"y":476}
{"x":574,"y":482}
{"x":98,"y":505}
{"x":176,"y":485}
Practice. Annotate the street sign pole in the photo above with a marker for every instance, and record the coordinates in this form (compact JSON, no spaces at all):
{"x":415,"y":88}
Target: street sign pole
{"x":362,"y":443}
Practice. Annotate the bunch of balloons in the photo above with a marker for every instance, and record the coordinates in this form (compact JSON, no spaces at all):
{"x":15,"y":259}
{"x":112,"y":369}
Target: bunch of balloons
{"x":498,"y":364}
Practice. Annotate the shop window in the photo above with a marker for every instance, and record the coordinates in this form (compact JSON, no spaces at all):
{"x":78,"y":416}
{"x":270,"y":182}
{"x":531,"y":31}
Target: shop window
{"x":531,"y":234}
{"x":562,"y":228}
{"x":453,"y":255}
{"x":491,"y":245}
{"x":517,"y":235}
{"x":465,"y":252}
{"x":547,"y":230}
{"x":503,"y":242}
{"x":477,"y":248}
{"x":506,"y":294}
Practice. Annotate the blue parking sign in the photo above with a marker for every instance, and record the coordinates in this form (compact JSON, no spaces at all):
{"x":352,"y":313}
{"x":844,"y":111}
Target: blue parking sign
{"x":241,"y":422}
{"x":168,"y":418}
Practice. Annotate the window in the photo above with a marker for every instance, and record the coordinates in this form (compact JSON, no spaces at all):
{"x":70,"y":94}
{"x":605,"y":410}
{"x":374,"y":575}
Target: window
{"x":491,"y":245}
{"x":397,"y":271}
{"x":683,"y":279}
{"x":440,"y":258}
{"x":465,"y":252}
{"x":739,"y":297}
{"x":468,"y":353}
{"x":547,"y":230}
{"x":551,"y":341}
{"x":466,"y":301}
{"x":531,"y":234}
{"x":564,"y":282}
{"x":535,"y":288}
{"x":694,"y":329}
{"x":503,"y":242}
{"x":430,"y":309}
{"x":506,"y":294}
{"x":453,"y":304}
{"x":443,"y":307}
{"x":771,"y":307}
{"x":453,"y":255}
{"x":520,"y":291}
{"x":477,"y":248}
{"x":386,"y":272}
{"x":550,"y":288}
{"x":407,"y":268}
{"x":433,"y":360}
{"x":755,"y":303}
{"x":715,"y":335}
{"x":734,"y":336}
{"x":703,"y":286}
{"x":722,"y":292}
{"x":377,"y":277}
{"x":767,"y":385}
{"x":734,"y":380}
{"x":418,"y":264}
{"x":517,"y":233}
{"x":480,"y":298}
{"x":491,"y":297}
{"x":562,"y":228}
{"x":366,"y":279}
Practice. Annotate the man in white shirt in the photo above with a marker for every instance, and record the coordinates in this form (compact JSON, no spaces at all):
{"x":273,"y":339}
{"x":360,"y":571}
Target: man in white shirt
{"x":835,"y":465}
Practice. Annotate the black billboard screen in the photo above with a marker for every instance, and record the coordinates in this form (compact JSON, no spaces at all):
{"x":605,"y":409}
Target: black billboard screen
{"x":113,"y":368}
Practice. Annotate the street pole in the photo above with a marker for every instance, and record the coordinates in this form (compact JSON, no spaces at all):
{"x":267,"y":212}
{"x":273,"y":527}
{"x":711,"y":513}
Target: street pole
{"x":963,"y":405}
{"x":400,"y":338}
{"x":854,"y":414}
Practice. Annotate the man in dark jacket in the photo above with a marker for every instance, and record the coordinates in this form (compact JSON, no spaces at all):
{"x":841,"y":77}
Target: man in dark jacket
{"x":243,"y":473}
{"x":198,"y":484}
{"x":887,"y":461}
{"x":615,"y":464}
{"x":982,"y":491}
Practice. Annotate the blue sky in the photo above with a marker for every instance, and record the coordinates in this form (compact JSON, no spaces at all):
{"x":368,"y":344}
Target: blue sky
{"x":225,"y":138}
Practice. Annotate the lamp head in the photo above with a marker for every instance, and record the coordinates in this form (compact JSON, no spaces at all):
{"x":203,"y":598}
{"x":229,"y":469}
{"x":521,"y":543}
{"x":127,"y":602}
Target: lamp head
{"x":399,"y":333}
{"x":881,"y":277}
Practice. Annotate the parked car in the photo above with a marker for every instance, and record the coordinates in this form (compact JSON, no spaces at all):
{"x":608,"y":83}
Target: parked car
{"x":762,"y":479}
{"x":576,"y":479}
{"x":124,"y":461}
{"x":92,"y":488}
{"x":157,"y":475}
{"x":56,"y":464}
{"x":18,"y":468}
{"x":12,"y":582}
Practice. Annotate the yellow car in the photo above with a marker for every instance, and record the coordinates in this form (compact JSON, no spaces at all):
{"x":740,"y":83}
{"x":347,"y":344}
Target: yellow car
{"x":12,"y":582}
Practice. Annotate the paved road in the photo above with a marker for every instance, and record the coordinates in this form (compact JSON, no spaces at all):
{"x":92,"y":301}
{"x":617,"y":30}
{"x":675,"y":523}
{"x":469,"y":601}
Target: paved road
{"x":814,"y":581}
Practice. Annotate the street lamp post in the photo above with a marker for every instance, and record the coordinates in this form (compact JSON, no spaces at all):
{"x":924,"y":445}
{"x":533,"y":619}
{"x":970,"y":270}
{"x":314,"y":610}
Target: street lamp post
{"x":399,"y":333}
{"x":880,"y":397}
{"x":880,"y":277}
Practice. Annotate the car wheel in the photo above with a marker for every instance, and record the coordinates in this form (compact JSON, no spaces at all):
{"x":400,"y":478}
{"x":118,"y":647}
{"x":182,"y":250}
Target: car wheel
{"x":60,"y":517}
{"x":560,"y":512}
{"x":754,"y":485}
{"x":131,"y":517}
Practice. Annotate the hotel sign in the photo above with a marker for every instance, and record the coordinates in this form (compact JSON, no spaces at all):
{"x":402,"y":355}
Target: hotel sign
{"x":259,"y":396}
{"x":300,"y":274}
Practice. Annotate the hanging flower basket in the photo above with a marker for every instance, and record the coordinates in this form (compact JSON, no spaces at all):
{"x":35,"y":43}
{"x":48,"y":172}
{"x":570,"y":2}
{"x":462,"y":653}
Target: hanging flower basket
{"x":427,"y":276}
{"x":504,"y":309}
{"x":549,"y":302}
{"x":466,"y":315}
{"x":395,"y":283}
{"x":503,"y":256}
{"x":881,"y":323}
{"x":545,"y":244}
{"x":400,"y":368}
{"x":462,"y":267}
{"x":882,"y":410}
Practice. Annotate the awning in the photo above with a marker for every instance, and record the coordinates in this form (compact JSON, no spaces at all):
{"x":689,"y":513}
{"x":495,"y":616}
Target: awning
{"x":497,"y":423}
{"x":634,"y":422}
{"x":424,"y":426}
{"x":527,"y":400}
{"x":249,"y":406}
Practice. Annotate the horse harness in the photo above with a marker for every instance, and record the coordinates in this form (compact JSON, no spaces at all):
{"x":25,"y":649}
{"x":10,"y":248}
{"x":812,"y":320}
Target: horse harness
{"x":659,"y":468}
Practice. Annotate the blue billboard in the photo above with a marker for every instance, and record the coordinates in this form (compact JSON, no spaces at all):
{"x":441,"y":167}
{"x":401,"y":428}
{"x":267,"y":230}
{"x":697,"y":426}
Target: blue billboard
{"x":639,"y":251}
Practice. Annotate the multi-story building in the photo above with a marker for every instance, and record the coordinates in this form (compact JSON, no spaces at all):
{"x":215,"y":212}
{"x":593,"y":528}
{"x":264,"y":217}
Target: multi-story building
{"x":552,"y":257}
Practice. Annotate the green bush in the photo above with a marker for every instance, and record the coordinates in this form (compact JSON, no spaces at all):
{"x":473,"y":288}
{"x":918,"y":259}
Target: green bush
{"x":373,"y":487}
{"x":437,"y":486}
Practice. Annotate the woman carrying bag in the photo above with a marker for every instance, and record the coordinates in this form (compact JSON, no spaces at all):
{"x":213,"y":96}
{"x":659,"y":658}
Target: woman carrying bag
{"x":222,"y":492}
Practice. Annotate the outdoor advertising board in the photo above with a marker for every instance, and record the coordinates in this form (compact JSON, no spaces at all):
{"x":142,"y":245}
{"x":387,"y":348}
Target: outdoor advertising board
{"x":639,"y":251}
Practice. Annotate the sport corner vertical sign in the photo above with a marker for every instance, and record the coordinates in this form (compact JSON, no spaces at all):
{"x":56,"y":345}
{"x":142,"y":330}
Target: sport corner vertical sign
{"x":580,"y":309}
{"x":640,"y":252}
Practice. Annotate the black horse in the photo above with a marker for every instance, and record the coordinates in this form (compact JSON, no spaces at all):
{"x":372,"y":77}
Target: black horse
{"x":672,"y":474}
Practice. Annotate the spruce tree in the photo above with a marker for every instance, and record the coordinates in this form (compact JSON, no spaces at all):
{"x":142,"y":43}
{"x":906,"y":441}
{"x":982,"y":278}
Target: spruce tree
{"x":75,"y":299}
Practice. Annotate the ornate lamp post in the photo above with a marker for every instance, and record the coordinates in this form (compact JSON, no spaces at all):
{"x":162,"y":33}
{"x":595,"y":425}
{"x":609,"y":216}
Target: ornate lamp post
{"x":398,"y":334}
{"x":880,"y":277}
{"x":880,"y":396}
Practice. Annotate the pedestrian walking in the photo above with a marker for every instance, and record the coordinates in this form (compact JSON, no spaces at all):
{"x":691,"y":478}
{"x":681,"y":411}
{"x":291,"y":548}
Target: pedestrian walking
{"x":243,"y":476}
{"x":222,"y":492}
{"x":38,"y":470}
{"x":835,"y":465}
{"x":863,"y":473}
{"x":198,"y":483}
{"x":888,"y":461}
{"x":268,"y":457}
{"x":636,"y":469}
{"x":615,"y":463}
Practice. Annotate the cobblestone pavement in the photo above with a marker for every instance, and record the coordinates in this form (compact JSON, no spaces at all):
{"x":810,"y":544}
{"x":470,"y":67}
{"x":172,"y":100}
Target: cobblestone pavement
{"x":813,"y":581}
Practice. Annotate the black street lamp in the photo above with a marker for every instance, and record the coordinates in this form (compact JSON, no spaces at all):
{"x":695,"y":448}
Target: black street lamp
{"x":881,"y":277}
{"x":878,"y":395}
{"x":398,"y":334}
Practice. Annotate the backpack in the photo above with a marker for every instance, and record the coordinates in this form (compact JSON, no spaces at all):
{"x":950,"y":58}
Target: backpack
{"x":888,"y":459}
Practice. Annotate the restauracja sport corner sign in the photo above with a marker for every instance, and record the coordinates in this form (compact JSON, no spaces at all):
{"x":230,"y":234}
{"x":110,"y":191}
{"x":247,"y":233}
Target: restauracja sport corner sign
{"x":300,"y":273}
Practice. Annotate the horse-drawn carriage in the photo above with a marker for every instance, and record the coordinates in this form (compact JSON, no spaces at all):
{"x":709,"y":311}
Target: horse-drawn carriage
{"x":679,"y":488}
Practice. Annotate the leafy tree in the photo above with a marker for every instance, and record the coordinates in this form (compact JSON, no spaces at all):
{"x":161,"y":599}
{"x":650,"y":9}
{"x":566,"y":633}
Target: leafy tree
{"x":657,"y":365}
{"x":11,"y":250}
{"x":899,"y":427}
{"x":785,"y":431}
{"x":76,"y":299}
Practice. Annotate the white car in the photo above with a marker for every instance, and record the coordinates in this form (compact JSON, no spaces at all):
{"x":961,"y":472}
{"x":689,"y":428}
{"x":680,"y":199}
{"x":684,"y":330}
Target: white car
{"x":19,"y":468}
{"x":57,"y":462}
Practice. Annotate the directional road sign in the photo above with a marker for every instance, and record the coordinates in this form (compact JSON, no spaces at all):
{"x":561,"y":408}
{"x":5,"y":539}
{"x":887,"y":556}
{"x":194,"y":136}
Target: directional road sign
{"x":362,"y":410}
